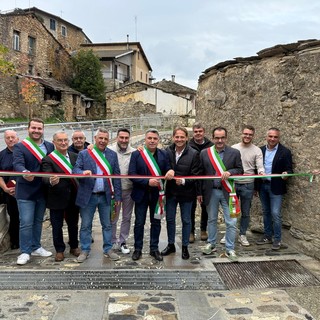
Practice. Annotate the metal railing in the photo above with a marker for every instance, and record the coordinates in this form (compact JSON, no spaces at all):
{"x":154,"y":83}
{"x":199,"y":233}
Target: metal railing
{"x":136,"y":125}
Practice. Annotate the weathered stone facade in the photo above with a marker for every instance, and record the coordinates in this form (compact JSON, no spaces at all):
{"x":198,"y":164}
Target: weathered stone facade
{"x":9,"y":97}
{"x":278,"y":88}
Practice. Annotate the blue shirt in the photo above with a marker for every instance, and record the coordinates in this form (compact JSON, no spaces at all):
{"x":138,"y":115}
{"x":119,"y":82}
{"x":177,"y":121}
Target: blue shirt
{"x":268,"y":159}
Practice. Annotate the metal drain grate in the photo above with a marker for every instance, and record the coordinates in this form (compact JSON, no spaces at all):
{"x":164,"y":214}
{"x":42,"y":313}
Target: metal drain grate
{"x":265,"y":274}
{"x":111,"y":280}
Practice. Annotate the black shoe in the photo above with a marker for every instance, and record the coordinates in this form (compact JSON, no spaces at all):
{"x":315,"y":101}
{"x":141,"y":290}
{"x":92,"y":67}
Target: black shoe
{"x":185,"y":253}
{"x":170,"y":248}
{"x":264,"y":240}
{"x":136,"y":254}
{"x":156,"y":254}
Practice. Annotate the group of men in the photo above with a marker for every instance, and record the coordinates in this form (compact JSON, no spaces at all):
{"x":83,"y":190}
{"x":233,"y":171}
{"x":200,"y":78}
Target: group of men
{"x":152,"y":179}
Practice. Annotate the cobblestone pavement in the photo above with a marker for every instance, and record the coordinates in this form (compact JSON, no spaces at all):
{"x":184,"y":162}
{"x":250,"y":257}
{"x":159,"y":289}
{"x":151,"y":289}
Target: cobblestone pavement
{"x":266,"y":304}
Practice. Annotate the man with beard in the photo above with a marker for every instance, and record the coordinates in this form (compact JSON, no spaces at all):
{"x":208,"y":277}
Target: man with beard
{"x":199,"y":142}
{"x":252,"y":162}
{"x":123,"y":150}
{"x":27,"y":157}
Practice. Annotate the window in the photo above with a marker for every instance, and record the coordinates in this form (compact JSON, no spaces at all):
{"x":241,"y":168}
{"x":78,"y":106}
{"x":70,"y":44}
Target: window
{"x":30,"y":69}
{"x":16,"y":40}
{"x":32,"y":45}
{"x":64,"y":31}
{"x":52,"y":24}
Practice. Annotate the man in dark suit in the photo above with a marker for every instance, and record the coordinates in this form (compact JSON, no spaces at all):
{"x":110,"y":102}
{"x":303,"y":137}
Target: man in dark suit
{"x":61,"y":195}
{"x":8,"y":186}
{"x":276,"y":159}
{"x":147,"y":192}
{"x":27,"y":157}
{"x":227,"y":162}
{"x":102,"y":193}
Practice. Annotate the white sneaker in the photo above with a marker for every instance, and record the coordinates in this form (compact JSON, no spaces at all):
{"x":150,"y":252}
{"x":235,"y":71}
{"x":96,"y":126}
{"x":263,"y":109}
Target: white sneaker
{"x":23,"y":259}
{"x":41,"y":252}
{"x":223,"y":240}
{"x":231,"y":254}
{"x":243,"y":240}
{"x":124,"y":249}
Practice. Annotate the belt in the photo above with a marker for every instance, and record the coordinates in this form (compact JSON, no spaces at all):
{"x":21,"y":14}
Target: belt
{"x":102,"y":193}
{"x":265,"y":181}
{"x":218,"y":188}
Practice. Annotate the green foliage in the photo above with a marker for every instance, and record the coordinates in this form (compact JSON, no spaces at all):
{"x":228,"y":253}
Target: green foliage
{"x":87,"y":75}
{"x":6,"y":67}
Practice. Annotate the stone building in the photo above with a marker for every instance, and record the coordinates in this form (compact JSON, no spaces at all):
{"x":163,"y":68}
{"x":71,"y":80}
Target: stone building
{"x":68,"y":34}
{"x":122,"y":63}
{"x":165,"y":97}
{"x":37,"y":53}
{"x":280,"y":87}
{"x":32,"y":49}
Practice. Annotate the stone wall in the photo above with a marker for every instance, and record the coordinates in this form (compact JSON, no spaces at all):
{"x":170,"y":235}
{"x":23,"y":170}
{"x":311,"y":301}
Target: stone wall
{"x":9,"y":97}
{"x":48,"y":57}
{"x":278,"y":88}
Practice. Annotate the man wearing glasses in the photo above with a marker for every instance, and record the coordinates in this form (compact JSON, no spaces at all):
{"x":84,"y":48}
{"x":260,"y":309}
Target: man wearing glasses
{"x":252,"y":161}
{"x":223,"y":161}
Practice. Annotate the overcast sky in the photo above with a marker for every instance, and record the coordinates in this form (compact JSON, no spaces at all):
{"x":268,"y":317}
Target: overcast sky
{"x":185,"y":37}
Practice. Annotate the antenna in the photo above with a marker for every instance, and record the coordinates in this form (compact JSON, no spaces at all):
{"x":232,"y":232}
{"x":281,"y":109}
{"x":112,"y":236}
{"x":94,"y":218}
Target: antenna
{"x":136,"y":27}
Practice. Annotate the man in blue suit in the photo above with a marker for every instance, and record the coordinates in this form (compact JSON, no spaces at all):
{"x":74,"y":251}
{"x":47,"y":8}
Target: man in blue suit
{"x":276,"y":159}
{"x":147,"y":192}
{"x":27,"y":157}
{"x":101,"y":193}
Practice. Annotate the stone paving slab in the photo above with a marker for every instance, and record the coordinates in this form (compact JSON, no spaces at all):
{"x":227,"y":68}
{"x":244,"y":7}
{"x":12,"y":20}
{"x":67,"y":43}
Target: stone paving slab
{"x":267,"y":304}
{"x":151,"y":305}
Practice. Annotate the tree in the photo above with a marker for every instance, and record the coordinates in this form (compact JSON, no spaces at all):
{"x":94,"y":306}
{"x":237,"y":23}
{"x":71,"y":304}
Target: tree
{"x":6,"y":67}
{"x":29,"y":93}
{"x":87,"y":76}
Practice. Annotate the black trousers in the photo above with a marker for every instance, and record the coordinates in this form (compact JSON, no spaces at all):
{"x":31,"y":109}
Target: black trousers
{"x":204,"y":217}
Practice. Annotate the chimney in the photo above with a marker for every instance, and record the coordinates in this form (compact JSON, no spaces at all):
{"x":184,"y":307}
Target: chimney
{"x":127,"y":42}
{"x":173,"y":78}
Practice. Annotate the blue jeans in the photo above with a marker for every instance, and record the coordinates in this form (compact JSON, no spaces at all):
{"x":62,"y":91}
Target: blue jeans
{"x":140,"y":211}
{"x":245,"y":193}
{"x":271,"y":208}
{"x":171,"y":210}
{"x":87,"y":214}
{"x":217,"y":198}
{"x":31,"y":214}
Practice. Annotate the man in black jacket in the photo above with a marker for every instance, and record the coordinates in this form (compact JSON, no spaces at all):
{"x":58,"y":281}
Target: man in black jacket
{"x":199,"y":142}
{"x":184,"y":161}
{"x":276,"y":159}
{"x":61,"y":195}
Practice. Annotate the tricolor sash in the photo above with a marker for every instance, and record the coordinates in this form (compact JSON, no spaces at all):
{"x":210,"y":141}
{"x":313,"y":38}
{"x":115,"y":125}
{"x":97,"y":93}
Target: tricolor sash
{"x":61,"y":161}
{"x":106,"y":168}
{"x":229,"y":185}
{"x":33,"y":148}
{"x":155,"y":171}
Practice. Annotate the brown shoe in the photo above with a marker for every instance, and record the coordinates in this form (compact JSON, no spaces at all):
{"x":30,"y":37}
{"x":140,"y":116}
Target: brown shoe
{"x":59,"y":256}
{"x":191,"y":238}
{"x":204,"y":235}
{"x":75,"y":252}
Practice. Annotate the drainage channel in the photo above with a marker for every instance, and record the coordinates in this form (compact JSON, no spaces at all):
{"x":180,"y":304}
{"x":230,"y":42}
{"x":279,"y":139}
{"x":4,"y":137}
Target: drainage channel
{"x":265,"y":274}
{"x":111,"y":280}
